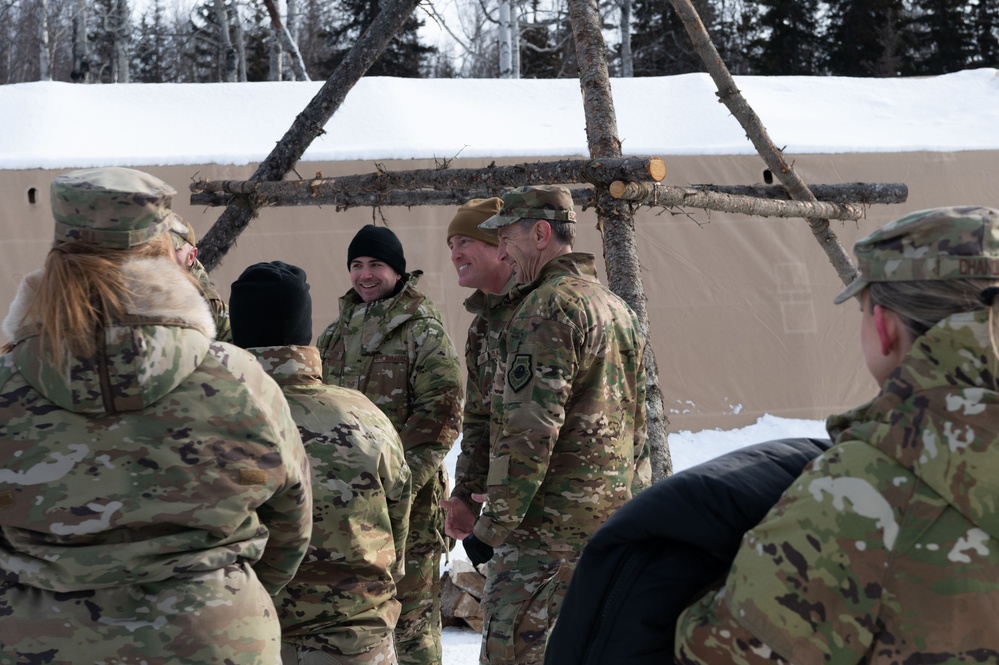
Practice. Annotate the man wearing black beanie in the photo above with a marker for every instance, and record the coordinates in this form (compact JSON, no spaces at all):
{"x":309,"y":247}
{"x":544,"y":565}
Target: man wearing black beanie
{"x":341,"y":605}
{"x":389,"y":342}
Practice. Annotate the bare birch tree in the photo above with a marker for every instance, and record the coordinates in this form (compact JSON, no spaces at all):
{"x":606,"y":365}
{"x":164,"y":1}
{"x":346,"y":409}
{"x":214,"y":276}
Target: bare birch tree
{"x":514,"y":40}
{"x":505,"y":41}
{"x":275,"y":67}
{"x":624,"y":29}
{"x":81,"y":45}
{"x":225,"y":42}
{"x":286,"y":41}
{"x":44,"y":70}
{"x":239,"y":39}
{"x":122,"y":42}
{"x":293,"y":20}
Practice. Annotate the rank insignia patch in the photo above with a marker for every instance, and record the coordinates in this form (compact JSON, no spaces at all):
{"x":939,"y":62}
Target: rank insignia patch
{"x":520,"y":372}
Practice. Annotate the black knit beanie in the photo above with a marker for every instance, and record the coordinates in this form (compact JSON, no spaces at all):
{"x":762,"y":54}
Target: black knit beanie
{"x":380,"y":243}
{"x":270,"y":305}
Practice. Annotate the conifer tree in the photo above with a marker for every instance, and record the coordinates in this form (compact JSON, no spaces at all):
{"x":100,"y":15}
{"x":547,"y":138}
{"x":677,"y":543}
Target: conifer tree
{"x":405,"y":55}
{"x":112,"y":36}
{"x":660,"y":45}
{"x":259,"y":37}
{"x":866,"y":38}
{"x":986,"y":29}
{"x":789,"y":44}
{"x":151,"y":59}
{"x":737,"y":28}
{"x":547,"y":49}
{"x":941,"y":31}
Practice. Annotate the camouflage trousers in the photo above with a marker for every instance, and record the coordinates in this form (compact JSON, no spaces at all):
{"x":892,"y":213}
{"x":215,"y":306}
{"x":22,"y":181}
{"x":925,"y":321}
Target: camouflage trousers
{"x":519,"y":610}
{"x":382,"y":653}
{"x":221,"y":616}
{"x":418,"y":631}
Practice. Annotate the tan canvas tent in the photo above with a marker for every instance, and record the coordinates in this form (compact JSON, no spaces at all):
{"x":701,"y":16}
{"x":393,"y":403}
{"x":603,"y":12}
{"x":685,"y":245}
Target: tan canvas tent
{"x":740,"y":307}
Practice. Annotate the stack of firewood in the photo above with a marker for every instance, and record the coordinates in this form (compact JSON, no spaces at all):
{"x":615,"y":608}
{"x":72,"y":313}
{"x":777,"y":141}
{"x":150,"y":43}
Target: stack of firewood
{"x":461,"y":592}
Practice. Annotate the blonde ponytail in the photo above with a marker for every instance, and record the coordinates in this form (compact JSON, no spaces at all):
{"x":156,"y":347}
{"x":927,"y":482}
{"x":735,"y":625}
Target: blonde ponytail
{"x":81,"y":289}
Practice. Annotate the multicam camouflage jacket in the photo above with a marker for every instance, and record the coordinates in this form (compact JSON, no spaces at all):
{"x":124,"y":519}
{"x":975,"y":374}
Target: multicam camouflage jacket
{"x":138,"y":488}
{"x":482,"y":349}
{"x":219,"y":307}
{"x":886,"y":550}
{"x":398,"y":354}
{"x":568,"y":441}
{"x":343,"y":595}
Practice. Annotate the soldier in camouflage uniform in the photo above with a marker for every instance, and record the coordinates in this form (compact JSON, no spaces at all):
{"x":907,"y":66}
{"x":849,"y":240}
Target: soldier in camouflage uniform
{"x":341,"y":603}
{"x":185,"y":244}
{"x":154,"y":490}
{"x":568,"y":444}
{"x":886,"y":549}
{"x":475,"y":255}
{"x":390,"y":344}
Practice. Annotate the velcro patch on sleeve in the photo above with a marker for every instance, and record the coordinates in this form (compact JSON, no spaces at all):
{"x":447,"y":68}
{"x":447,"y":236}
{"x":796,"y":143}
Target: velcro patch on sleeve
{"x":520,"y":369}
{"x":252,"y":477}
{"x":499,"y":470}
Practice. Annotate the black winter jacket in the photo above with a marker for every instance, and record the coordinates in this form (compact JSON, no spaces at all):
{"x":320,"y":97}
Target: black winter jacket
{"x":663,"y":549}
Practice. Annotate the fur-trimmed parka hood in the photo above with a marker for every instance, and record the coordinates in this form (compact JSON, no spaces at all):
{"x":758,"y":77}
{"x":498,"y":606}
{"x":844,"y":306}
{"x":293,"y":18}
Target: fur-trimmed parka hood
{"x":163,"y":337}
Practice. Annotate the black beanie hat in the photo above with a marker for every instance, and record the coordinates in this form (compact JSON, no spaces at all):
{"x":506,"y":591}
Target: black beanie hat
{"x":270,"y":305}
{"x":380,"y":243}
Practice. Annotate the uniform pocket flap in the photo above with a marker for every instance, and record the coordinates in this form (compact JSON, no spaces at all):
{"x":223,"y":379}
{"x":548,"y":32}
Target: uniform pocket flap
{"x":499,"y":470}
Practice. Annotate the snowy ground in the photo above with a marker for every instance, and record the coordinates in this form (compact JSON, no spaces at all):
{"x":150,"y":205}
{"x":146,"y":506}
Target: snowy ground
{"x":461,"y":646}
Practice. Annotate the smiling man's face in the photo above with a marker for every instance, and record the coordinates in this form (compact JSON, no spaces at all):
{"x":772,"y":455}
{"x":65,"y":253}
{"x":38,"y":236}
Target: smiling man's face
{"x":372,"y":279}
{"x":478,"y":264}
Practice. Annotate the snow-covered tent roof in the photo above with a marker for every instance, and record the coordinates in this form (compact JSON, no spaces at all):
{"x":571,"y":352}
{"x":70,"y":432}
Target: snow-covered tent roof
{"x":62,"y":125}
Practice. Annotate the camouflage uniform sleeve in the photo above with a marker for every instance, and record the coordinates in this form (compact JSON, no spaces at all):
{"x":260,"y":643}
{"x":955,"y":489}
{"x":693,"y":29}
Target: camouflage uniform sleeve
{"x":323,"y":344}
{"x":472,"y":464}
{"x":643,"y":459}
{"x":398,"y":483}
{"x":287,"y":514}
{"x":537,"y":385}
{"x":220,"y":312}
{"x":435,"y":413}
{"x":807,"y":583}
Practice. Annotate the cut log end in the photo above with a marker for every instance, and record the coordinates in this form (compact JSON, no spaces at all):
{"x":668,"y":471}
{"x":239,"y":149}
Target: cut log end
{"x":657,"y":169}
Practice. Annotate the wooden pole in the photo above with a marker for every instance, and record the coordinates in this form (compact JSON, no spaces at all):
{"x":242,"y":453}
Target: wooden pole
{"x":757,"y":133}
{"x":490,"y":177}
{"x":616,"y":221}
{"x":290,"y":193}
{"x":651,"y":194}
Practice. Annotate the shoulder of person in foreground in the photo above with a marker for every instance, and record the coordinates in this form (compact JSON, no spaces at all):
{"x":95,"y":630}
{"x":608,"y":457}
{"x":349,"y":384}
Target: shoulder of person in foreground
{"x":288,"y":512}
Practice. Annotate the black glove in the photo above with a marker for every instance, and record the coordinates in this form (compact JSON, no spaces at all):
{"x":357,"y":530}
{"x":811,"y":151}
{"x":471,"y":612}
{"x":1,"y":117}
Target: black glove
{"x":478,"y":552}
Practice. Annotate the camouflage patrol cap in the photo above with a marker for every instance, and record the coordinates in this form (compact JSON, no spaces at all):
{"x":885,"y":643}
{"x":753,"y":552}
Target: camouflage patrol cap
{"x":534,"y":202}
{"x":957,"y":242}
{"x":111,"y":207}
{"x":181,"y":232}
